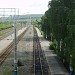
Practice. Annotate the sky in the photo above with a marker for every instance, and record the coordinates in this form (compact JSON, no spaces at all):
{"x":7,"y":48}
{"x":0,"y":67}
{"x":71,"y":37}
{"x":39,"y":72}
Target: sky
{"x":26,"y":6}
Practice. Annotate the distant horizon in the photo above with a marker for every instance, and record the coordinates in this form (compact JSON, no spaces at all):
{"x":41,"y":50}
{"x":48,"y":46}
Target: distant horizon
{"x":31,"y":14}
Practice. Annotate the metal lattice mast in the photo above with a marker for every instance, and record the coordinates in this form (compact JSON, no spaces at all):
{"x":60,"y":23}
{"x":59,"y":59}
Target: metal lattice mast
{"x":9,"y":15}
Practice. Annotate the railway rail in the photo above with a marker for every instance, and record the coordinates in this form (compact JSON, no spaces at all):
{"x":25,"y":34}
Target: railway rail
{"x":9,"y":48}
{"x":40,"y":65}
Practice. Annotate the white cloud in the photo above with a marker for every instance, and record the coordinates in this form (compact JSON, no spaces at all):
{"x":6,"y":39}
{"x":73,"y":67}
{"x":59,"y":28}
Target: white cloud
{"x":31,"y":6}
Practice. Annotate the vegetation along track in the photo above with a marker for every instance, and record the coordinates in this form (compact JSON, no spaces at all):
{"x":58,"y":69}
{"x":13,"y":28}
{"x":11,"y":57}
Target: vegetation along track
{"x":7,"y":51}
{"x":40,"y":65}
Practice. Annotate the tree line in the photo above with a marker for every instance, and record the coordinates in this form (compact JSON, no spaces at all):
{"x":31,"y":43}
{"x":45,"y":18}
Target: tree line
{"x":58,"y":24}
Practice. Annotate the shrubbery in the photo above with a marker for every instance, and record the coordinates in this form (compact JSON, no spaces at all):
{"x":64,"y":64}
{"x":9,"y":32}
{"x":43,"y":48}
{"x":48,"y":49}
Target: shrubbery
{"x":52,"y":46}
{"x":59,"y":20}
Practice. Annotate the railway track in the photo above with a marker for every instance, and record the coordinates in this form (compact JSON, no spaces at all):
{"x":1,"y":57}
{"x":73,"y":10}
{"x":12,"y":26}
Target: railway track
{"x":40,"y":65}
{"x":5,"y":53}
{"x":8,"y":50}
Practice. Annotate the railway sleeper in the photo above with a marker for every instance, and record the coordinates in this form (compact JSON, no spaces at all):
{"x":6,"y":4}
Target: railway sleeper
{"x":36,"y":51}
{"x":45,"y":66}
{"x":38,"y":70}
{"x":37,"y":59}
{"x":37,"y":62}
{"x":38,"y":67}
{"x":38,"y":73}
{"x":37,"y":56}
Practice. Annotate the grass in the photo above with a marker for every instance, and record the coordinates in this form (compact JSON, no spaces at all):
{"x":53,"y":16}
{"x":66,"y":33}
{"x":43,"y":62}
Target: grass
{"x":8,"y":72}
{"x":5,"y":31}
{"x":5,"y":24}
{"x":8,"y":69}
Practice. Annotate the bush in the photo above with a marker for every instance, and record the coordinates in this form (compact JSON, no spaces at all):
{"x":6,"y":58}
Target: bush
{"x":53,"y":46}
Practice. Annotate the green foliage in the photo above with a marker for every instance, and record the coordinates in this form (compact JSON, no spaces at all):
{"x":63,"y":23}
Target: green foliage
{"x":36,"y":23}
{"x":8,"y":73}
{"x":59,"y":20}
{"x":53,"y":46}
{"x":4,"y":24}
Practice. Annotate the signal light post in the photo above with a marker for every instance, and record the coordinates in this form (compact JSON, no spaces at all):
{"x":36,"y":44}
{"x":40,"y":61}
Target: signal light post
{"x":15,"y":51}
{"x":15,"y":46}
{"x":71,"y":69}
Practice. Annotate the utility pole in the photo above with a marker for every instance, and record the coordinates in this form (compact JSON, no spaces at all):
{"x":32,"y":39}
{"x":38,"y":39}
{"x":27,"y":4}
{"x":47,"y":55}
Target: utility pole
{"x":51,"y":36}
{"x":15,"y":51}
{"x":15,"y":46}
{"x":71,"y":69}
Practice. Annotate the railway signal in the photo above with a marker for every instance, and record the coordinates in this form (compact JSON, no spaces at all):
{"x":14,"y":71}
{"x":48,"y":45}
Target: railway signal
{"x":15,"y":51}
{"x":15,"y":43}
{"x":71,"y":69}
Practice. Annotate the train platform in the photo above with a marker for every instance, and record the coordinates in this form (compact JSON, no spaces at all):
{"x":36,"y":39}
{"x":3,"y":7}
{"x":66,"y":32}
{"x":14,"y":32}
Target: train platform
{"x":4,"y":43}
{"x":55,"y":65}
